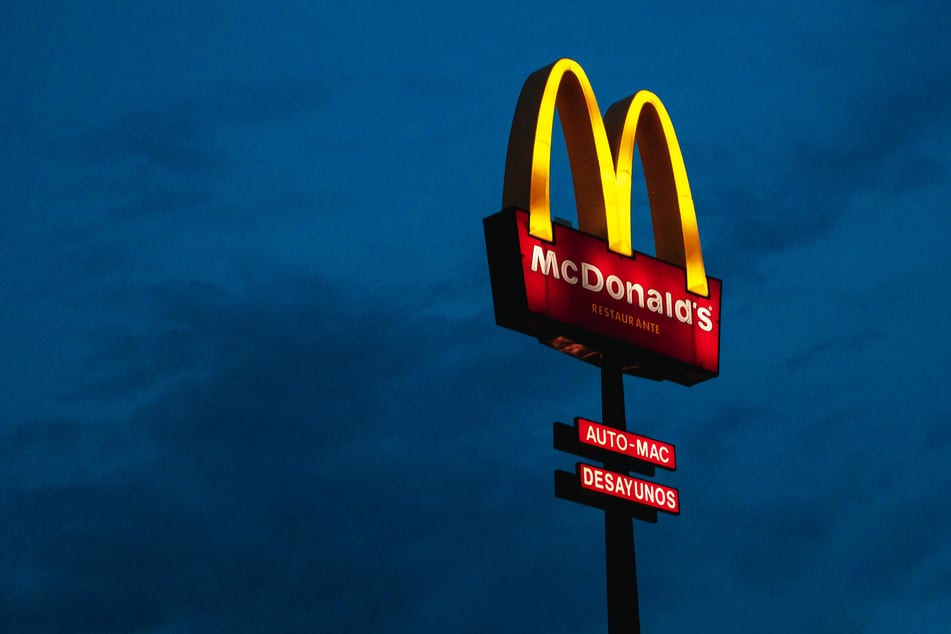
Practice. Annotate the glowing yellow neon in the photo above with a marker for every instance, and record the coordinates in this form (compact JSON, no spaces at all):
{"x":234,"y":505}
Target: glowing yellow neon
{"x":600,"y":152}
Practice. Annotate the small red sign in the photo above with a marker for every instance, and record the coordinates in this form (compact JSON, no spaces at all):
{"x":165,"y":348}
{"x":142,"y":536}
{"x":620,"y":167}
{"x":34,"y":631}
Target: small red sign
{"x":625,"y":487}
{"x":643,"y":448}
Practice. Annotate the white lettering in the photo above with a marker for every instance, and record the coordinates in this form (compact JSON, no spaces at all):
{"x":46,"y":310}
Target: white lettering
{"x":649,"y":492}
{"x":590,"y":268}
{"x":683,"y":310}
{"x":622,"y":485}
{"x":565,"y":265}
{"x":635,"y":288}
{"x":703,"y":319}
{"x":671,"y":499}
{"x":655,"y":302}
{"x":626,"y":486}
{"x":614,"y":286}
{"x":643,"y":449}
{"x":587,"y":475}
{"x":546,"y":261}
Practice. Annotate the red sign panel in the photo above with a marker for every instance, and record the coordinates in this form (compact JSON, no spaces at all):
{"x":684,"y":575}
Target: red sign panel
{"x":649,"y":450}
{"x":578,"y":296}
{"x":625,"y":487}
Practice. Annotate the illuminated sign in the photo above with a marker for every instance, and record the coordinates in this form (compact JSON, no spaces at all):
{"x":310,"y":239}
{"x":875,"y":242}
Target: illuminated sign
{"x":586,"y":291}
{"x":625,"y":487}
{"x":647,"y":449}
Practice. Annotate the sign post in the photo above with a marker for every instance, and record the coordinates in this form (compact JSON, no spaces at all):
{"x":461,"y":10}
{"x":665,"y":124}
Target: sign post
{"x":623,"y":608}
{"x":588,"y":294}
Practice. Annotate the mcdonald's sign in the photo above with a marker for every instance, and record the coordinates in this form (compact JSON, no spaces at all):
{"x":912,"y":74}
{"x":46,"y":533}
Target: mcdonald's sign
{"x":586,"y":292}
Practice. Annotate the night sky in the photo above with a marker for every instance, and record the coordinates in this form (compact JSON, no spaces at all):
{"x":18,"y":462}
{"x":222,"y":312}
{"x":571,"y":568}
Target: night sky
{"x":250,"y":379}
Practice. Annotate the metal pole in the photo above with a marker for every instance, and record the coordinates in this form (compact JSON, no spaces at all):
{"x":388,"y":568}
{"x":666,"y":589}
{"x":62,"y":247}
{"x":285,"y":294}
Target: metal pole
{"x":623,"y":611}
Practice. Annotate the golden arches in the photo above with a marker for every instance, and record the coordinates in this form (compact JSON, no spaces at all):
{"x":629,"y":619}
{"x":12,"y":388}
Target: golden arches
{"x":600,"y":153}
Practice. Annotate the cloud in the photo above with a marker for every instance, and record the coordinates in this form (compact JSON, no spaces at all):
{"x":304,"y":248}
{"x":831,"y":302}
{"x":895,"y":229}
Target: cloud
{"x":165,"y":158}
{"x":289,"y":452}
{"x":866,"y":136}
{"x":293,"y":455}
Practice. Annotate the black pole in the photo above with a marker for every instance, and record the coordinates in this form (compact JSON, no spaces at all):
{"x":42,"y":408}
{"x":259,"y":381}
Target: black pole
{"x":623,"y":611}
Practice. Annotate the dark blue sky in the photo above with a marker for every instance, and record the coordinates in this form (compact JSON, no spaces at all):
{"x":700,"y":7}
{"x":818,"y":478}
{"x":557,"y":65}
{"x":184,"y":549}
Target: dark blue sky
{"x":250,"y":379}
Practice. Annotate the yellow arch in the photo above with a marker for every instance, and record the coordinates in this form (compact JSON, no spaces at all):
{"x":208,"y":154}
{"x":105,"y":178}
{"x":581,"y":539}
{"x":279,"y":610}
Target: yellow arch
{"x":601,"y":169}
{"x":527,"y":167}
{"x":642,"y":119}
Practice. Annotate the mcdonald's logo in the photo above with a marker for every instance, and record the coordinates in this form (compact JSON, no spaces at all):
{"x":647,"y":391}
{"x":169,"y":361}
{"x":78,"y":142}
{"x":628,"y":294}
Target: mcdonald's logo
{"x":587,"y":292}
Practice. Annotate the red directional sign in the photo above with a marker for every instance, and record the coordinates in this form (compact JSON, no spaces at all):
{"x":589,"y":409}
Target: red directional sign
{"x":625,"y":487}
{"x":649,"y":450}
